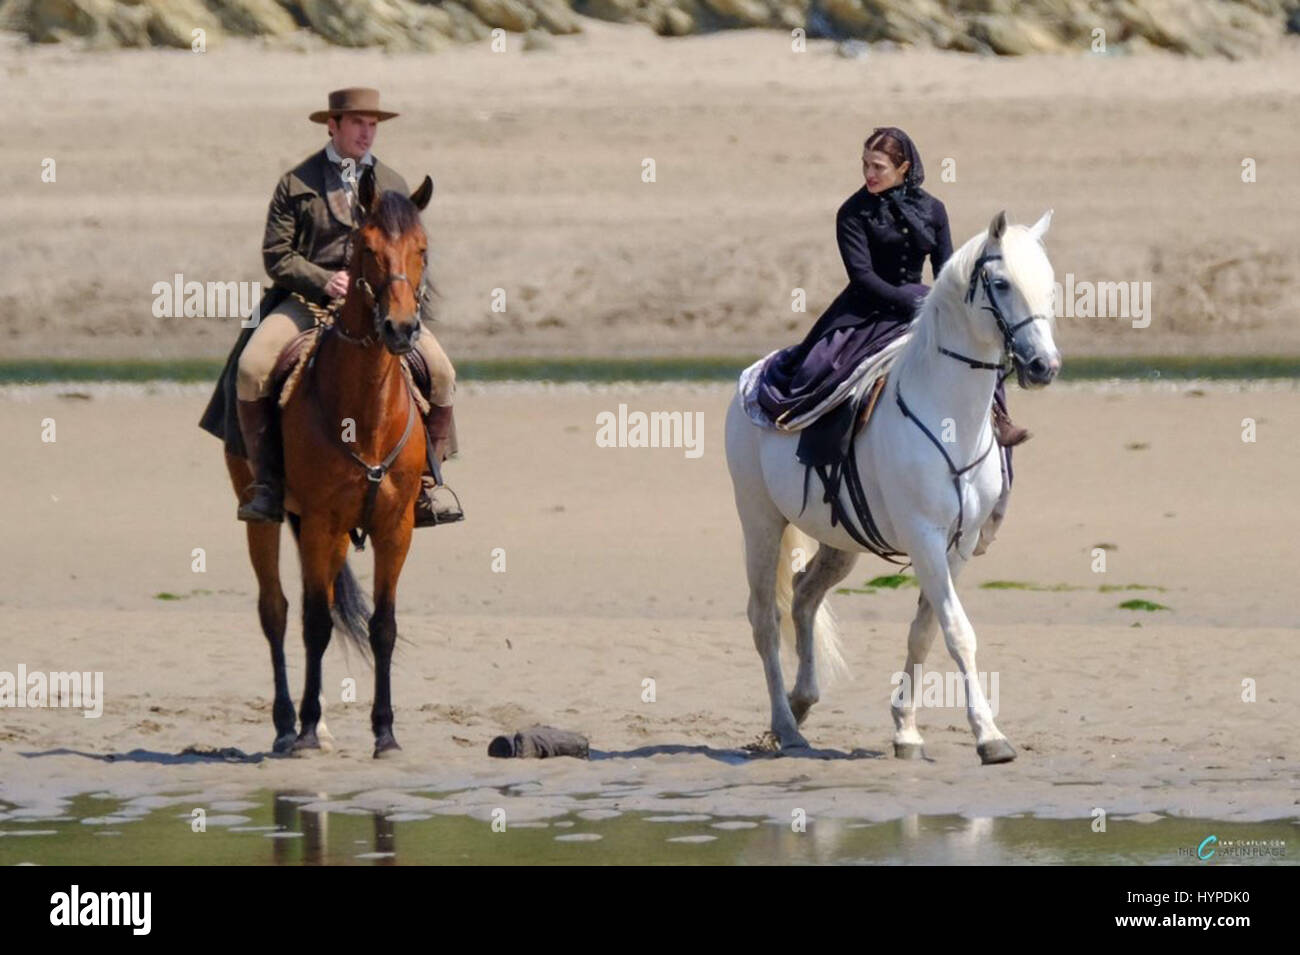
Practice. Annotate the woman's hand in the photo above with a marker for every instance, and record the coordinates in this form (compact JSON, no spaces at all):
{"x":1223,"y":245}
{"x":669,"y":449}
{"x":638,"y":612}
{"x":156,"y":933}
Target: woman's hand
{"x":917,"y":290}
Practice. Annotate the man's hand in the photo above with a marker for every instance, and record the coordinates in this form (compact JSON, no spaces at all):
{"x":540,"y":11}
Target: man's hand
{"x":338,"y":285}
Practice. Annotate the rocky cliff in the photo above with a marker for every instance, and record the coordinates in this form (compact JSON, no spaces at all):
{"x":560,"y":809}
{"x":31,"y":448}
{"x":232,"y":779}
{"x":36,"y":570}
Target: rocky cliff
{"x":1231,"y":28}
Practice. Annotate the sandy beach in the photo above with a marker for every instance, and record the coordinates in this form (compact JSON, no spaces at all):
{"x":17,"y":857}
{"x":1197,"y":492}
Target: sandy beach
{"x":584,"y":574}
{"x":625,"y":564}
{"x":166,"y":161}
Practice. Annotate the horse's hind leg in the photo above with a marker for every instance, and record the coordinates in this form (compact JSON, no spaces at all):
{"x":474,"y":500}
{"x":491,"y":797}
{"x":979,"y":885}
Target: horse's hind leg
{"x":827,"y":568}
{"x":323,"y":733}
{"x":272,"y":607}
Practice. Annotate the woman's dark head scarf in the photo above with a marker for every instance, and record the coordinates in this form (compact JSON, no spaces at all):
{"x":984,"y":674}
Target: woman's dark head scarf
{"x":907,"y":200}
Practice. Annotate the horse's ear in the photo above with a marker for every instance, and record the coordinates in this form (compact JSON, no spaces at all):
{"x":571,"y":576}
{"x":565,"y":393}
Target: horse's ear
{"x":1039,"y":228}
{"x":998,"y":225}
{"x":421,"y":196}
{"x":366,"y":190}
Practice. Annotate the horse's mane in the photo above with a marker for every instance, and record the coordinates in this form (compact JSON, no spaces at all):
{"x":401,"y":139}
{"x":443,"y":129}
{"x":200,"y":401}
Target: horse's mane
{"x":954,"y":279}
{"x":395,"y":214}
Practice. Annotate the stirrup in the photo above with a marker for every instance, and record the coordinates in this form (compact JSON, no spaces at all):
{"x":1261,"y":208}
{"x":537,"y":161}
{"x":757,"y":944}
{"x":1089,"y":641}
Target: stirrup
{"x":430,"y":517}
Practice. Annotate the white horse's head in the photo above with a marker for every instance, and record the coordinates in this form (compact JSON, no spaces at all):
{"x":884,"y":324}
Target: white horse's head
{"x":1010,"y":284}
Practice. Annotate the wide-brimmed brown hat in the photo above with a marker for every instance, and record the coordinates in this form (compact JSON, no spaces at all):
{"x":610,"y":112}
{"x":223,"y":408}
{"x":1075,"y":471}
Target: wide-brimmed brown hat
{"x":356,"y":99}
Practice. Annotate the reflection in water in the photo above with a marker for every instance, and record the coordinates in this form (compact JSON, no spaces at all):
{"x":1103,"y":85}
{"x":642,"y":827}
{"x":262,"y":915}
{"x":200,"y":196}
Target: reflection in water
{"x":385,"y":839}
{"x":294,"y":827}
{"x":291,"y":814}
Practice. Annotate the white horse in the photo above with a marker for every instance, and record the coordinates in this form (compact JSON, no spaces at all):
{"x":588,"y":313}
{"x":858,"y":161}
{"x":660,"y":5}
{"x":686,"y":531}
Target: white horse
{"x":929,"y":497}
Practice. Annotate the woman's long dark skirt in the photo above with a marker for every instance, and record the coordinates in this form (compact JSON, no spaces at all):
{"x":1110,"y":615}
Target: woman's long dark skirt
{"x":802,"y":376}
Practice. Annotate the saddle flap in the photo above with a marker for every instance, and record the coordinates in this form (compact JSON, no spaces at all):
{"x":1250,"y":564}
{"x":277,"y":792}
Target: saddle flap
{"x":290,"y":357}
{"x":419,"y":371}
{"x":870,"y":404}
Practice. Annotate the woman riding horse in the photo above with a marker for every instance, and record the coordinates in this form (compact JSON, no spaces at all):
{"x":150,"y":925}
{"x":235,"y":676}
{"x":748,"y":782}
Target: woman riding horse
{"x":885,"y":230}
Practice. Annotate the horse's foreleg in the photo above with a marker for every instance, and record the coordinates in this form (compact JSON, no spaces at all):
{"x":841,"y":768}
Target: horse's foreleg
{"x":390,"y":555}
{"x":321,"y":558}
{"x":827,"y":568}
{"x":907,"y":739}
{"x":272,"y":608}
{"x":937,"y":584}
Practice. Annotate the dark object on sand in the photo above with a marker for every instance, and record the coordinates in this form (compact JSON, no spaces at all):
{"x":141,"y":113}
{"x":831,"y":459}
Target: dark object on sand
{"x":540,"y":742}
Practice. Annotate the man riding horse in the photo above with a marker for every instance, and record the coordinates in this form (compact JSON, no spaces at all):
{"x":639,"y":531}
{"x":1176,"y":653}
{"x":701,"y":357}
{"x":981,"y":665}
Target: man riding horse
{"x":306,"y":250}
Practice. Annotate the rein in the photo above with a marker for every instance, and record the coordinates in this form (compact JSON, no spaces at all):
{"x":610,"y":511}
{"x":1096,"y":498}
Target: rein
{"x":375,"y":473}
{"x":954,"y":471}
{"x":869,"y":536}
{"x":979,"y":277}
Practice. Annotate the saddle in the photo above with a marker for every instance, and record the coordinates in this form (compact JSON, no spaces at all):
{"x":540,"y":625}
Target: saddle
{"x":826,"y":441}
{"x":863,"y":378}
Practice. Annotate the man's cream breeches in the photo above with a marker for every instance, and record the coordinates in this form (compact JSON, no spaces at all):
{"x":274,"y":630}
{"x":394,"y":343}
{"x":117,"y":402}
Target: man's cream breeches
{"x":276,"y":330}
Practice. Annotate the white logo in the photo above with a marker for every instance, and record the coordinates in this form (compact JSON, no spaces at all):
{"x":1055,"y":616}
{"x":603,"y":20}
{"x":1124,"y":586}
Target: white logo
{"x":103,"y":908}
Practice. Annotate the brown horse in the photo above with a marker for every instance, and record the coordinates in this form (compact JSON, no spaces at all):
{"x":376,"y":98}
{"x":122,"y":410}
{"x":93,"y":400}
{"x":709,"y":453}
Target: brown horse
{"x":353,"y":459}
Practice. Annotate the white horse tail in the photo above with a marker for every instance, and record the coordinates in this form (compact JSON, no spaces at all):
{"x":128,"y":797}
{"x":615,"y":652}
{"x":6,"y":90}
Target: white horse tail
{"x":826,"y":629}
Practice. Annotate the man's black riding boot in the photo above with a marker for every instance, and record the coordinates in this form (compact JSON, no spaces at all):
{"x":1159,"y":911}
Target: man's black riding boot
{"x":439,"y":434}
{"x":265,"y":454}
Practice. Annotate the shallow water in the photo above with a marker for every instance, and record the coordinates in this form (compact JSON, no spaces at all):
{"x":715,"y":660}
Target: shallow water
{"x":296,"y":828}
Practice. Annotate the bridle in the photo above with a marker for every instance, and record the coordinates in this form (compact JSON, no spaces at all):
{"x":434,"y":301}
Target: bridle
{"x":980,"y":276}
{"x":376,"y":315}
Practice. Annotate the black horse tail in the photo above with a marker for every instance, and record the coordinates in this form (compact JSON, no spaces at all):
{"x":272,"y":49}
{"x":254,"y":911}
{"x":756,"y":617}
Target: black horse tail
{"x":351,"y":610}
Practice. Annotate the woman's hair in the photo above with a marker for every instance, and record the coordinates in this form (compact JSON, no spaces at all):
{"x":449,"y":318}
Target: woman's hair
{"x":886,"y":143}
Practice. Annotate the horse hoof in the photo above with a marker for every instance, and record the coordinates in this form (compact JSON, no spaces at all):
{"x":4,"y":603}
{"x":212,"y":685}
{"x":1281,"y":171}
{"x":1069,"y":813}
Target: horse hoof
{"x":909,"y":751}
{"x":996,"y":751}
{"x":284,"y":744}
{"x":798,"y":742}
{"x":305,"y":743}
{"x":385,"y":747}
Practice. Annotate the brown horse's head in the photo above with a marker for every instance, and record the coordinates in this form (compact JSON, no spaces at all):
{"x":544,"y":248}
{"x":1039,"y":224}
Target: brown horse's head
{"x":389,"y":257}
